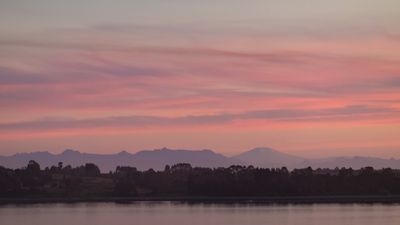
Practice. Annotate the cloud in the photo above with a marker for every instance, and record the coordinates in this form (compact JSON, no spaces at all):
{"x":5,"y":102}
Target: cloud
{"x":12,"y":76}
{"x":184,"y":31}
{"x":279,"y":115}
{"x":108,"y":68}
{"x":273,"y":57}
{"x":66,"y":72}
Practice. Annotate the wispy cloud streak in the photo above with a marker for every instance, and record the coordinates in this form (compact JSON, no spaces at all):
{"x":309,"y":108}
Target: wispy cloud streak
{"x":204,"y":65}
{"x":216,"y":119}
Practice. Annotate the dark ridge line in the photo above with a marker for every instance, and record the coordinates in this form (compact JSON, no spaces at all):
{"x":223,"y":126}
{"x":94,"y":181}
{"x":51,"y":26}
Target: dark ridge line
{"x":350,"y":199}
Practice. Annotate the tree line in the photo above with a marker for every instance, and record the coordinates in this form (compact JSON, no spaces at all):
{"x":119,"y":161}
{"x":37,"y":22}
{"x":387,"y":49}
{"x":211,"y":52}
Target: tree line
{"x":184,"y":180}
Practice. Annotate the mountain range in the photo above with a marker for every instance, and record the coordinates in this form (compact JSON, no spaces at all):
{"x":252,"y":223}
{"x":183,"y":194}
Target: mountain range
{"x":159,"y":158}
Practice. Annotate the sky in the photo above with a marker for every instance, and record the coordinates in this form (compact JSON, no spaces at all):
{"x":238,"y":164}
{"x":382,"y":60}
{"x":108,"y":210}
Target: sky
{"x":314,"y":78}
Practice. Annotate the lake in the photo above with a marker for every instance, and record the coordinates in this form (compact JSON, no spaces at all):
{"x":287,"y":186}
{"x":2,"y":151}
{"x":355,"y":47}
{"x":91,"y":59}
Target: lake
{"x":172,"y":213}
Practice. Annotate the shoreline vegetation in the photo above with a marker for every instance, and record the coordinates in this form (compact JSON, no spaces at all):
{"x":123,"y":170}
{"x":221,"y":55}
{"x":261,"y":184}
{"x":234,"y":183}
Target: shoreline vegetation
{"x":381,"y":199}
{"x":187,"y":184}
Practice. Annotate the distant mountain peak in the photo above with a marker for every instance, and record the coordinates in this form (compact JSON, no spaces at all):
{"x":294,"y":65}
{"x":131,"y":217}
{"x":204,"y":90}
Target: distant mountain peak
{"x":70,"y":152}
{"x":157,"y":159}
{"x":163,"y":149}
{"x":208,"y":151}
{"x":268,"y":157}
{"x":262,"y":149}
{"x":123,"y":153}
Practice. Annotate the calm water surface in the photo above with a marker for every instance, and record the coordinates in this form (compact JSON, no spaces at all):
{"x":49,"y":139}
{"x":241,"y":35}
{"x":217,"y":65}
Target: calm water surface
{"x":167,"y":213}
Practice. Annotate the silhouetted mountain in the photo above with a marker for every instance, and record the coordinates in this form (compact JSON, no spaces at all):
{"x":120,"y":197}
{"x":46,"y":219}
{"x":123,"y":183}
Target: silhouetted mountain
{"x":68,"y":157}
{"x":143,"y":160}
{"x":159,"y":158}
{"x":268,"y":158}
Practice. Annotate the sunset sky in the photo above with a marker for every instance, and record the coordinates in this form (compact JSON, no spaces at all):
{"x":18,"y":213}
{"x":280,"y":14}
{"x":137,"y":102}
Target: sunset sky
{"x":308,"y":77}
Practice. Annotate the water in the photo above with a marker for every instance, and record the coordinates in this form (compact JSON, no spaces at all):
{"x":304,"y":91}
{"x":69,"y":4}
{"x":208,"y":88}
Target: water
{"x":167,"y":213}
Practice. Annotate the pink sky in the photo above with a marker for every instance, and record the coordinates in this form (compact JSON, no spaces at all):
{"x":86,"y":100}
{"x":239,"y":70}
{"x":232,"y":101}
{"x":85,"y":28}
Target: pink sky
{"x":308,"y":78}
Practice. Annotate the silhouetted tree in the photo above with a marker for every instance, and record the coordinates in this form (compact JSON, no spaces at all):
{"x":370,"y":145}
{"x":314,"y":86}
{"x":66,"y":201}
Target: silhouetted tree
{"x":33,"y":167}
{"x":184,"y":180}
{"x":91,"y":169}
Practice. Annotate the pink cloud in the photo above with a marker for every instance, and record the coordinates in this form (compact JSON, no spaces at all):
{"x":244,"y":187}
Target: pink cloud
{"x":111,"y":85}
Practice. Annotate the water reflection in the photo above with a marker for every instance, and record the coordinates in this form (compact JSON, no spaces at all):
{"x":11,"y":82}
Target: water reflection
{"x":173,"y":213}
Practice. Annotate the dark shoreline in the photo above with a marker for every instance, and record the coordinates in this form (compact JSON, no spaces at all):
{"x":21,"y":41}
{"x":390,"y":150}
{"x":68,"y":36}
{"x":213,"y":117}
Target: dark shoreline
{"x":218,"y":200}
